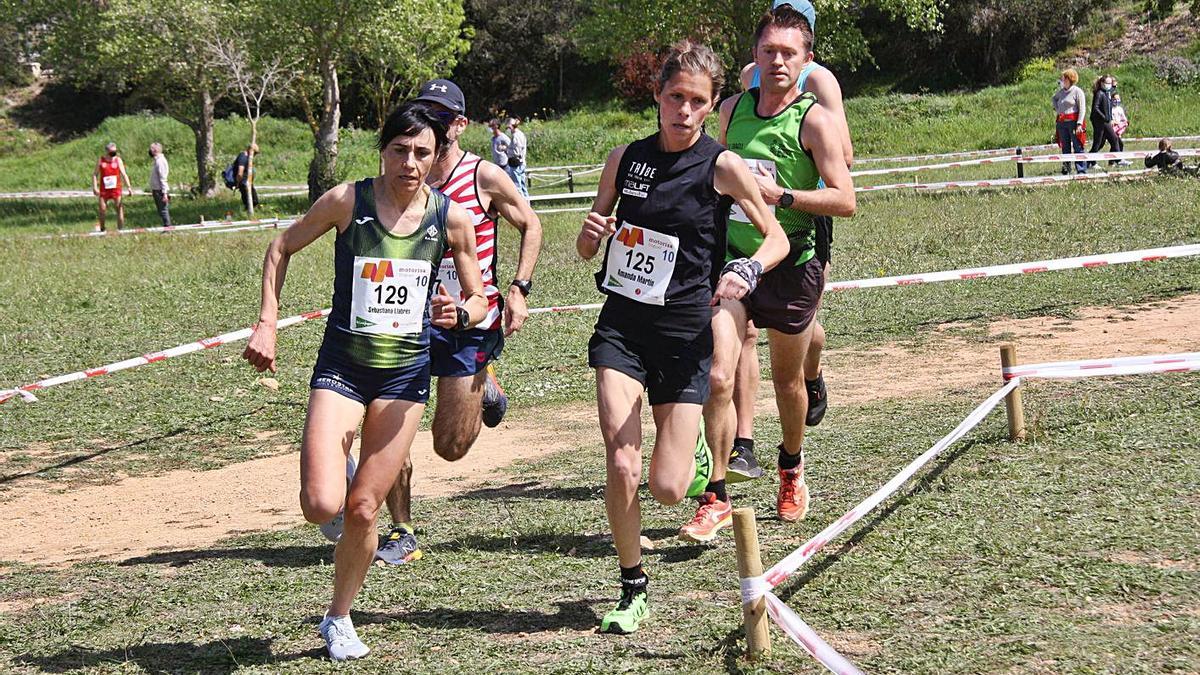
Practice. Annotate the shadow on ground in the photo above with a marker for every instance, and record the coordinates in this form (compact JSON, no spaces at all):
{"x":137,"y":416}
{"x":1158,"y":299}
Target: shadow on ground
{"x":573,"y":615}
{"x":218,"y":656}
{"x":534,"y":490}
{"x":281,"y":556}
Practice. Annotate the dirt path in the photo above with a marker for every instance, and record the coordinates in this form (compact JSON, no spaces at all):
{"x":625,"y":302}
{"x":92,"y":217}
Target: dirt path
{"x":182,"y":510}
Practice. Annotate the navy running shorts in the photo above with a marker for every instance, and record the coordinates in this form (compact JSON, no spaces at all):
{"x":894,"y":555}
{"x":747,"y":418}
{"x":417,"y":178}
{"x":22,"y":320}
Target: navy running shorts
{"x":672,"y":370}
{"x":463,"y":353}
{"x":365,"y":384}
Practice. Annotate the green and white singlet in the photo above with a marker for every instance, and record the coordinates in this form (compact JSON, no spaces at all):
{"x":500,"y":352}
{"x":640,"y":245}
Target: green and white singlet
{"x":773,"y":144}
{"x":382,"y":285}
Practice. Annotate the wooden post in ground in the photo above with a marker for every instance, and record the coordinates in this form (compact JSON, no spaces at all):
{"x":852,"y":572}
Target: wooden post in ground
{"x":754,"y":615}
{"x":1013,"y":403}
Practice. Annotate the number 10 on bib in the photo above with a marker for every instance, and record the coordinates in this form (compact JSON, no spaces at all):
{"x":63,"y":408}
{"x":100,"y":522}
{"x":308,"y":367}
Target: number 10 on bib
{"x":640,"y":264}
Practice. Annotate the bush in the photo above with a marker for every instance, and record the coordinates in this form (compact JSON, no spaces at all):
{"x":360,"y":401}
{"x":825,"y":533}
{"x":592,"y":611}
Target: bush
{"x":1178,"y":71}
{"x":635,"y":77}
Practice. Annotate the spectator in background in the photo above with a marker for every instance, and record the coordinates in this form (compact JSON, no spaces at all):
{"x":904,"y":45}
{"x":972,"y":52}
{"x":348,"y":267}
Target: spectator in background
{"x":158,"y":183}
{"x":517,"y":150}
{"x":1120,"y":120}
{"x":1069,"y":104}
{"x":107,"y":180}
{"x":1102,"y":118}
{"x":243,"y":175}
{"x":500,"y":144}
{"x":1166,"y":159}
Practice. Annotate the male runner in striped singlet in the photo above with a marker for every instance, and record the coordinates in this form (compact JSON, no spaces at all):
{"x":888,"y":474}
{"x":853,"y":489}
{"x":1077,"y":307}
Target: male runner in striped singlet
{"x":467,"y":390}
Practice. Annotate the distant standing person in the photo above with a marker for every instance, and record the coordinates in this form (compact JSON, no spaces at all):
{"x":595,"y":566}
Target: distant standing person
{"x":500,"y":143}
{"x":1069,"y":104}
{"x":517,"y":151}
{"x":158,"y":183}
{"x":1102,"y":118}
{"x":243,"y":175}
{"x":1120,"y":120}
{"x":107,"y":179}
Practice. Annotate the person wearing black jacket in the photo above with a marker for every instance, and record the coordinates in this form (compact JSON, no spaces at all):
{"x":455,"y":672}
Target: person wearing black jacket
{"x":1101,"y":118}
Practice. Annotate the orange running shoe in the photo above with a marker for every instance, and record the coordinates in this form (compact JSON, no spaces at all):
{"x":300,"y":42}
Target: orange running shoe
{"x":792,"y":504}
{"x":713,"y":516}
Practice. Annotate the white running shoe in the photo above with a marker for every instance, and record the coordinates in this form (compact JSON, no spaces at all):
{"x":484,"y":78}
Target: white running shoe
{"x":333,"y":529}
{"x":341,"y":639}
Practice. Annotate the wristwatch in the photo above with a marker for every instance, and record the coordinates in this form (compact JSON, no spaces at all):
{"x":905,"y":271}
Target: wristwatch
{"x":464,"y":318}
{"x":787,"y":199}
{"x":523,"y":285}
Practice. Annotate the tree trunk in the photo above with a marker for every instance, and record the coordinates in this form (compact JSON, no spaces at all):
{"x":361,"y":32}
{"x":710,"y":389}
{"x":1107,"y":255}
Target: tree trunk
{"x":206,"y":184}
{"x":322,"y":171}
{"x":250,"y":164}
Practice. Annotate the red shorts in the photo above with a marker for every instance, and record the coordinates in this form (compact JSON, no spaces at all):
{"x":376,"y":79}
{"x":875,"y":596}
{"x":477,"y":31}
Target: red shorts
{"x":111,"y":195}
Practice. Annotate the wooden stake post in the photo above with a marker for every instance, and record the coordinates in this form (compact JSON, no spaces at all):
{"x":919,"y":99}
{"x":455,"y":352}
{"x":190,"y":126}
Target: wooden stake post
{"x":754,"y":615}
{"x":1012,"y":402}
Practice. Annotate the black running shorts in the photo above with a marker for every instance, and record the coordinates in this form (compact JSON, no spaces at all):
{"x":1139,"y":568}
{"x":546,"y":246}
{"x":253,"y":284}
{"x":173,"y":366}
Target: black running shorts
{"x":787,"y":297}
{"x":672,"y":370}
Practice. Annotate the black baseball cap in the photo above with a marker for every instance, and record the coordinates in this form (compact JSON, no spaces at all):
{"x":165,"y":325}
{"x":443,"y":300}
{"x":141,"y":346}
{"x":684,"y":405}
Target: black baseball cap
{"x":444,"y":92}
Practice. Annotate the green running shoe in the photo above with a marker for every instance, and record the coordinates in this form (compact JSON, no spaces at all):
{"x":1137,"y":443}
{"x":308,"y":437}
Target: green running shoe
{"x":704,"y":466}
{"x":630,"y":611}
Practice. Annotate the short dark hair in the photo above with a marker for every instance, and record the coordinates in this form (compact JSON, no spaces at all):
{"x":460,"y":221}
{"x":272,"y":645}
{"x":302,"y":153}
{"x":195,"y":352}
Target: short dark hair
{"x":785,"y":16}
{"x":410,"y":119}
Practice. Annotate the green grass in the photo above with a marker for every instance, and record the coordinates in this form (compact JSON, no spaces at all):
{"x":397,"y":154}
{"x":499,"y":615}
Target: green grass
{"x":144,"y":293}
{"x":1068,"y":553}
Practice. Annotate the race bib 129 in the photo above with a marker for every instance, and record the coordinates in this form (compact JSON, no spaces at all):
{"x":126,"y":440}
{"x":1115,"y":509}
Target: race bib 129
{"x":389,"y":295}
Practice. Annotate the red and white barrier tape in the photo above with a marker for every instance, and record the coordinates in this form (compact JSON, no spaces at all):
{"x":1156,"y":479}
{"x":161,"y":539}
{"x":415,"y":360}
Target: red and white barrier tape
{"x":1087,"y":261}
{"x":25,"y":391}
{"x":1025,"y":159}
{"x":755,"y":588}
{"x":1012,"y":182}
{"x":1000,"y":151}
{"x":1058,"y":368}
{"x":206,"y":226}
{"x":1081,"y":262}
{"x":1144,"y":255}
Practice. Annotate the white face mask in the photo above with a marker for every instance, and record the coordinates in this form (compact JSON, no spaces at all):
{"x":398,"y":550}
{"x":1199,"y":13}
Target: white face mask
{"x":1106,"y":86}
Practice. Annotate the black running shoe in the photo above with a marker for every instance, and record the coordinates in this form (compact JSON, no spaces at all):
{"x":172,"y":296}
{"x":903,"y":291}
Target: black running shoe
{"x":495,"y":402}
{"x":742,"y":465}
{"x":818,"y":400}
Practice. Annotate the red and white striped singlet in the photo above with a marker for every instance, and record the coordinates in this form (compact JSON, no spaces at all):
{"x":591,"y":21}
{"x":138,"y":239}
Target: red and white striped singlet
{"x":461,"y":189}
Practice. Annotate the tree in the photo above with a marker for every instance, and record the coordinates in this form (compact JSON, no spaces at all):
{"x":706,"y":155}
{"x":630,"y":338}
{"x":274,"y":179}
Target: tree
{"x":524,"y":55}
{"x":257,"y":72}
{"x":156,"y":48}
{"x":620,"y":27}
{"x":327,"y":36}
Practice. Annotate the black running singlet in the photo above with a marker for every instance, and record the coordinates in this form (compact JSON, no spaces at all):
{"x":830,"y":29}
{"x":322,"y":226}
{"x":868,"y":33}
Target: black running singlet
{"x":661,"y":266}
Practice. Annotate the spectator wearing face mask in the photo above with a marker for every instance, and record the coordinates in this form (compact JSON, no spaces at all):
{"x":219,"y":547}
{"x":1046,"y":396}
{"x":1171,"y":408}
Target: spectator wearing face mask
{"x":1102,"y":118}
{"x":1070,"y":104}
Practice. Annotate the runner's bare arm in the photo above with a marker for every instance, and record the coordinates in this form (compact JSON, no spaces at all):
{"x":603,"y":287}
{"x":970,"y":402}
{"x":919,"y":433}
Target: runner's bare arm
{"x":821,"y":136}
{"x":460,"y":237}
{"x":128,"y":183}
{"x":600,"y":223}
{"x":747,"y":75}
{"x":724,"y":115}
{"x":511,"y":206}
{"x":733,"y":178}
{"x":824,"y":84}
{"x":332,"y":210}
{"x":96,"y":178}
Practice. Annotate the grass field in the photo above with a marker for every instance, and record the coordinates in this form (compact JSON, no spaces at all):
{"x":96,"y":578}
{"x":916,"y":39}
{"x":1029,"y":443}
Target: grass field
{"x":1075,"y":551}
